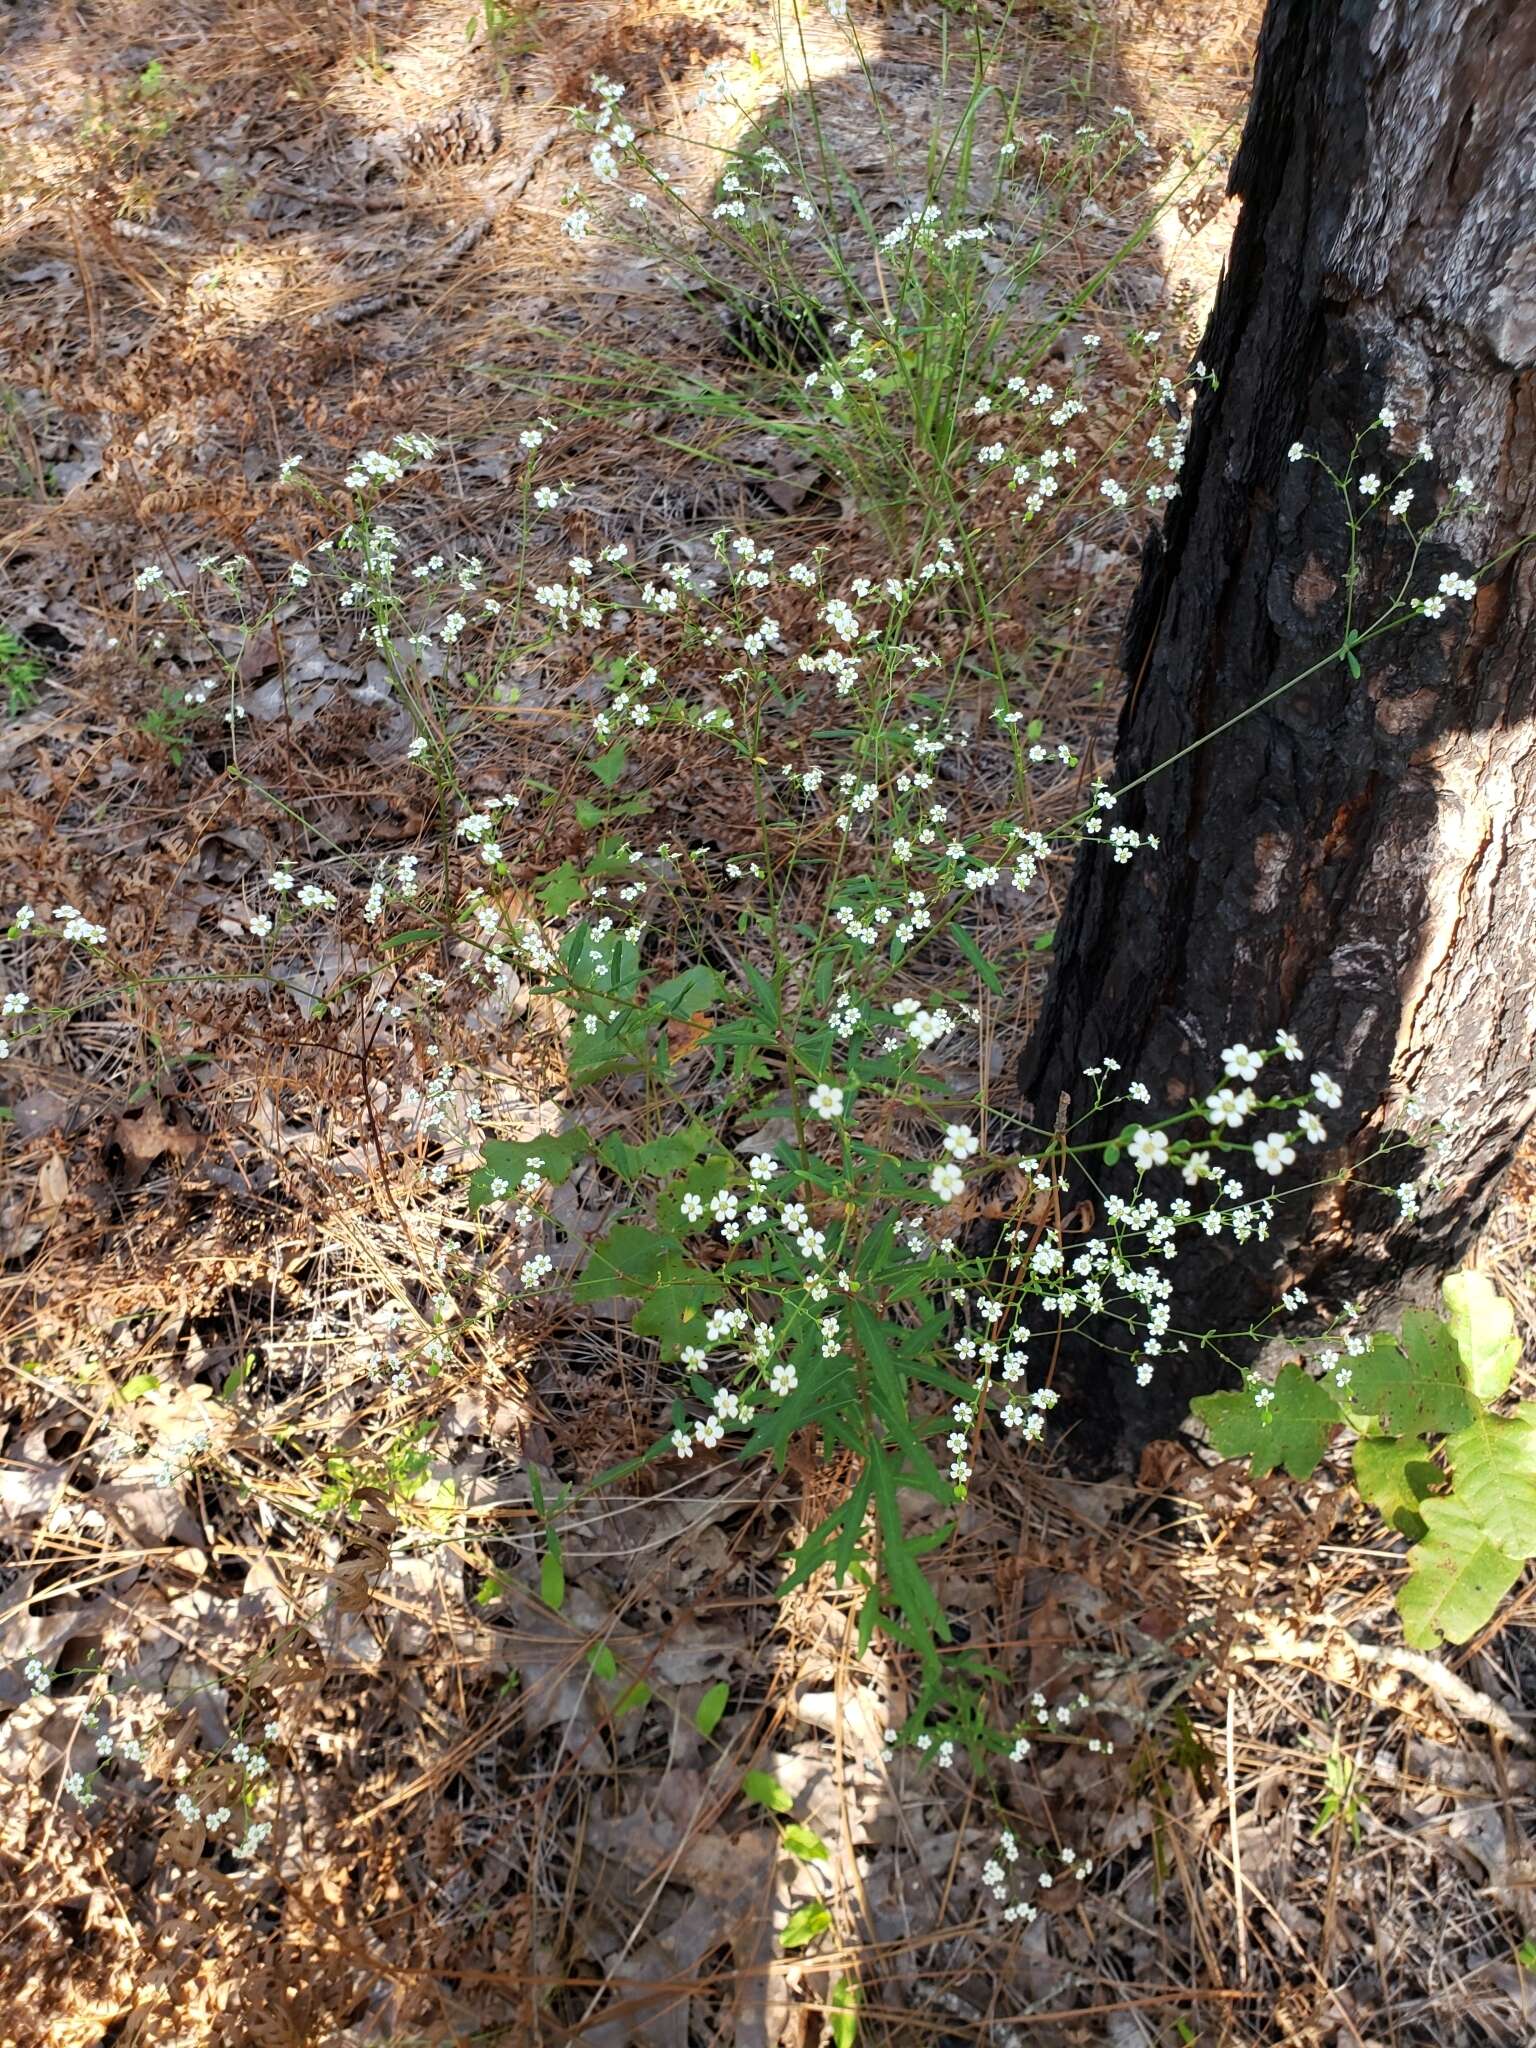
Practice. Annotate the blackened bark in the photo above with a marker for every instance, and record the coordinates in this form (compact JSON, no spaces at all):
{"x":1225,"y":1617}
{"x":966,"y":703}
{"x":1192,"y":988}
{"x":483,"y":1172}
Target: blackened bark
{"x":1355,"y":862}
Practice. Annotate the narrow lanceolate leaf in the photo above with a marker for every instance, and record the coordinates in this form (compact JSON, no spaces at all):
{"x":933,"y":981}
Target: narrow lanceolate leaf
{"x":843,"y":2019}
{"x":1493,"y":1464}
{"x":1394,"y":1473}
{"x":552,"y":1579}
{"x":1482,"y":1327}
{"x":1292,"y":1430}
{"x":706,"y":1715}
{"x":1458,"y":1578}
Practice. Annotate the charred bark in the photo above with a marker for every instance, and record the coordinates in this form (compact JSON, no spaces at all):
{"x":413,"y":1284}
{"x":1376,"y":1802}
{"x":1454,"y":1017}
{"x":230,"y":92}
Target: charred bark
{"x":1356,"y":861}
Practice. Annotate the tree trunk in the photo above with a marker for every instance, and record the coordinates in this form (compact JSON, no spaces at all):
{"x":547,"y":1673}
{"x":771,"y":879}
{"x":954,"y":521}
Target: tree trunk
{"x":1353,"y":861}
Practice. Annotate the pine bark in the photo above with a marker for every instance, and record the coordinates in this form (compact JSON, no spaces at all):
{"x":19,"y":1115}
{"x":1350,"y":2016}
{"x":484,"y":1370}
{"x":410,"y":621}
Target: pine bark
{"x":1355,"y":862}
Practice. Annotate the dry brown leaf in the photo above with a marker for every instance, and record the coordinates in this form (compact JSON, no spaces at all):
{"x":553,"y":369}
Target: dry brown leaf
{"x":142,"y":1137}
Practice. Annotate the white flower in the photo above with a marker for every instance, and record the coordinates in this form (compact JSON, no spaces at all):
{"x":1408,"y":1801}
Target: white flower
{"x":1327,"y":1091}
{"x":947,"y":1181}
{"x":1295,"y":452}
{"x":1311,"y":1127}
{"x":1226,"y":1108}
{"x":1196,"y":1168}
{"x":1290,"y":1046}
{"x":960,"y":1142}
{"x":1273,"y":1153}
{"x":826,"y":1101}
{"x":1148,"y":1148}
{"x":1241,"y":1063}
{"x":1369,"y":484}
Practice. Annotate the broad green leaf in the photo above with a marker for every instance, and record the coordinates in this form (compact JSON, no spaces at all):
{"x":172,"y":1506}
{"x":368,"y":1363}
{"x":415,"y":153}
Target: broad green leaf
{"x":1413,"y":1383}
{"x":604,"y":1664}
{"x":801,"y":1842}
{"x":559,"y":891}
{"x":1482,"y":1327}
{"x":695,"y":989}
{"x":1493,"y":1469}
{"x":765,"y":1791}
{"x":658,"y":1155}
{"x":1457,"y":1579}
{"x":1394,"y":1473}
{"x":556,"y":1156}
{"x":704,"y":1178}
{"x":673,"y":1311}
{"x":625,"y":1260}
{"x":610,"y":766}
{"x":552,"y":1577}
{"x":1292,"y":1430}
{"x":843,"y":2019}
{"x":139,"y":1383}
{"x":804,"y":1924}
{"x":706,"y":1715}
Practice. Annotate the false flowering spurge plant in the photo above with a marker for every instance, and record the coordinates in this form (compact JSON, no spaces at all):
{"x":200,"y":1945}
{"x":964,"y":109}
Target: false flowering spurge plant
{"x":803,"y":1256}
{"x":125,"y":1746}
{"x":1432,"y":1454}
{"x":889,"y":356}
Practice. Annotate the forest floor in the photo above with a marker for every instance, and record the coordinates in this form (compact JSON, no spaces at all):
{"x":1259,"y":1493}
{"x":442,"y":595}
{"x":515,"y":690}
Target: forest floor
{"x":235,"y":233}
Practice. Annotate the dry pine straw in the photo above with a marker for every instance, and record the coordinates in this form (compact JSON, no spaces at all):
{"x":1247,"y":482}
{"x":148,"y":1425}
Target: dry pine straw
{"x":455,"y":1848}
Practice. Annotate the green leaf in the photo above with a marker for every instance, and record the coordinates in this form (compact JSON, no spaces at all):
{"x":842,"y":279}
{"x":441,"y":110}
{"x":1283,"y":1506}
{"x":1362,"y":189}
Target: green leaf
{"x":801,"y":1842}
{"x":424,"y":936}
{"x":706,"y":1715}
{"x":501,"y":1159}
{"x":843,"y":2019}
{"x":765,"y":1791}
{"x":552,"y":1576}
{"x":625,"y":1260}
{"x":978,"y":959}
{"x":1493,"y":1467}
{"x":636,"y":1696}
{"x":604,"y":1664}
{"x":804,"y":1924}
{"x":1394,"y":1473}
{"x":1293,"y":1430}
{"x":559,"y":891}
{"x":1457,"y":1579}
{"x":673,"y":1311}
{"x":1413,"y":1382}
{"x":695,"y":989}
{"x":658,"y":1155}
{"x":1482,"y":1327}
{"x":610,"y":766}
{"x":139,"y":1383}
